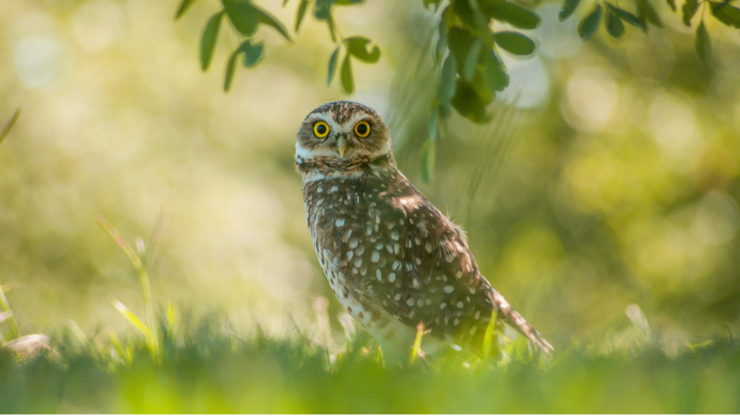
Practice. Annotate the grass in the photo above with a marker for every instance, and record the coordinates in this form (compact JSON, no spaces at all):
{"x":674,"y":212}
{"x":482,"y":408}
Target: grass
{"x":177,"y":366}
{"x":209,"y":371}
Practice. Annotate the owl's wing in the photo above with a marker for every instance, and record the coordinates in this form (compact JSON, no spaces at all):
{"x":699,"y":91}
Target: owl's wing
{"x":430,"y":275}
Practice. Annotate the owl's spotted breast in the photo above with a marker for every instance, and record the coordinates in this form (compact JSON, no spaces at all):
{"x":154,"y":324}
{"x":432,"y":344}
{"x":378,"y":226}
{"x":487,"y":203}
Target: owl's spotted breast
{"x":385,"y":247}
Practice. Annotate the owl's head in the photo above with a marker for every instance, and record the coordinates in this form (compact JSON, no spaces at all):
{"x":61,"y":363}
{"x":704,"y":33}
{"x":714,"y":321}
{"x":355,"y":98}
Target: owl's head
{"x":342,"y":135}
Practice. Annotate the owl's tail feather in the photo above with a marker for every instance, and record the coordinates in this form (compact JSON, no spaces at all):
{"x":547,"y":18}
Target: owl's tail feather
{"x":517,"y":321}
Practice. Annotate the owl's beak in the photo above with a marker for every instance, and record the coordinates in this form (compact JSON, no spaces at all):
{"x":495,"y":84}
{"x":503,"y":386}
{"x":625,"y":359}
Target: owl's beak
{"x":342,"y":146}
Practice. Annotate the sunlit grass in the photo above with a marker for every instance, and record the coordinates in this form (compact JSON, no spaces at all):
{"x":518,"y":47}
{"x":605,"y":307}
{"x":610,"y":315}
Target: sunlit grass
{"x":212,"y":370}
{"x":142,"y":262}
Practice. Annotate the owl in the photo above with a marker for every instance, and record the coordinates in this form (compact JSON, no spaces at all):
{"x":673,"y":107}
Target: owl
{"x":392,"y":259}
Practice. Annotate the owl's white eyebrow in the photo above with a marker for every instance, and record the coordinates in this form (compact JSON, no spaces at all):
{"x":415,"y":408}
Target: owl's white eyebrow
{"x":333,"y":126}
{"x":350,"y":125}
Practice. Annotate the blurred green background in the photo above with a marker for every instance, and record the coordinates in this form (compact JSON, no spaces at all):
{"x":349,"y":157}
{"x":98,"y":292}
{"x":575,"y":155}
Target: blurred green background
{"x":608,"y":177}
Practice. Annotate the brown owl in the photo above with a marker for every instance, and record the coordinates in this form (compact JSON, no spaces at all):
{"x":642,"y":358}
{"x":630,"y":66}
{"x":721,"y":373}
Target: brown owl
{"x":392,"y":259}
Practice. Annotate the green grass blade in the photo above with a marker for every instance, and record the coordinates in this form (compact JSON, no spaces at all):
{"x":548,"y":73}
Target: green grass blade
{"x":131,"y":317}
{"x":490,"y":334}
{"x":121,"y":243}
{"x":14,"y":332}
{"x":10,"y":124}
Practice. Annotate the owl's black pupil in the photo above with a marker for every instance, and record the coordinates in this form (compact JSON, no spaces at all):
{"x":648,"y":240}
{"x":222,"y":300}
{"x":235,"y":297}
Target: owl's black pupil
{"x":362,"y":129}
{"x":321,"y":129}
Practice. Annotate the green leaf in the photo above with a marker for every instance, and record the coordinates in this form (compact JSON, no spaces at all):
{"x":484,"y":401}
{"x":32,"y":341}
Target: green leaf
{"x":689,"y":10}
{"x":441,"y":45}
{"x":590,"y":23}
{"x":252,"y":52}
{"x":428,"y":156}
{"x":208,"y":40}
{"x":493,"y":76}
{"x":726,"y":14}
{"x":230,"y":69}
{"x":466,"y":15}
{"x":702,"y":43}
{"x":569,"y":6}
{"x":447,"y":79}
{"x":514,"y":14}
{"x":322,"y":9}
{"x":471,"y":61}
{"x":184,"y":6}
{"x":301,"y":12}
{"x":433,"y":128}
{"x":9,"y":126}
{"x":332,"y":28}
{"x":469,"y":104}
{"x":645,"y":10}
{"x":672,"y":4}
{"x":514,"y":42}
{"x":242,"y":16}
{"x":357,"y":47}
{"x":460,"y":41}
{"x":333,"y":66}
{"x":614,"y":25}
{"x":627,"y":17}
{"x":348,"y":2}
{"x":347,"y":82}
{"x":269,"y":20}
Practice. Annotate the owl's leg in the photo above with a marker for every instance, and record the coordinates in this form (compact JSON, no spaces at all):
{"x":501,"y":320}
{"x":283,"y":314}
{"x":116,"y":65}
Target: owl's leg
{"x":396,"y":343}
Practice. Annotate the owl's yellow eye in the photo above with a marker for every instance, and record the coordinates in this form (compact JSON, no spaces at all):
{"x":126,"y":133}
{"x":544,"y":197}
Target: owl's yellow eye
{"x":320,"y":129}
{"x":362,"y":129}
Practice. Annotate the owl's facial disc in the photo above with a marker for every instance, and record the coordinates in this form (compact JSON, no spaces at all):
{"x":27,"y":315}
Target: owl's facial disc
{"x":342,"y":131}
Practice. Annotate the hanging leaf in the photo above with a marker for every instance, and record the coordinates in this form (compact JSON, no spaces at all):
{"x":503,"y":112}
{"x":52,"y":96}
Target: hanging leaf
{"x":208,"y":40}
{"x":493,"y":74}
{"x":569,"y":6}
{"x":447,"y":81}
{"x":469,"y":104}
{"x":646,"y":11}
{"x":514,"y":42}
{"x":347,"y":82}
{"x":184,"y":6}
{"x":333,"y":66}
{"x":512,"y":13}
{"x":269,"y":20}
{"x":689,"y":10}
{"x":627,"y":17}
{"x":672,"y":4}
{"x":301,"y":12}
{"x":471,"y":60}
{"x":230,"y":69}
{"x":460,"y":41}
{"x":242,"y":15}
{"x":252,"y":53}
{"x":441,"y":45}
{"x":428,"y":155}
{"x":357,"y":46}
{"x":702,"y":43}
{"x":432,"y":127}
{"x":590,"y":23}
{"x":614,"y":25}
{"x":332,"y":28}
{"x":467,"y":16}
{"x":726,"y":14}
